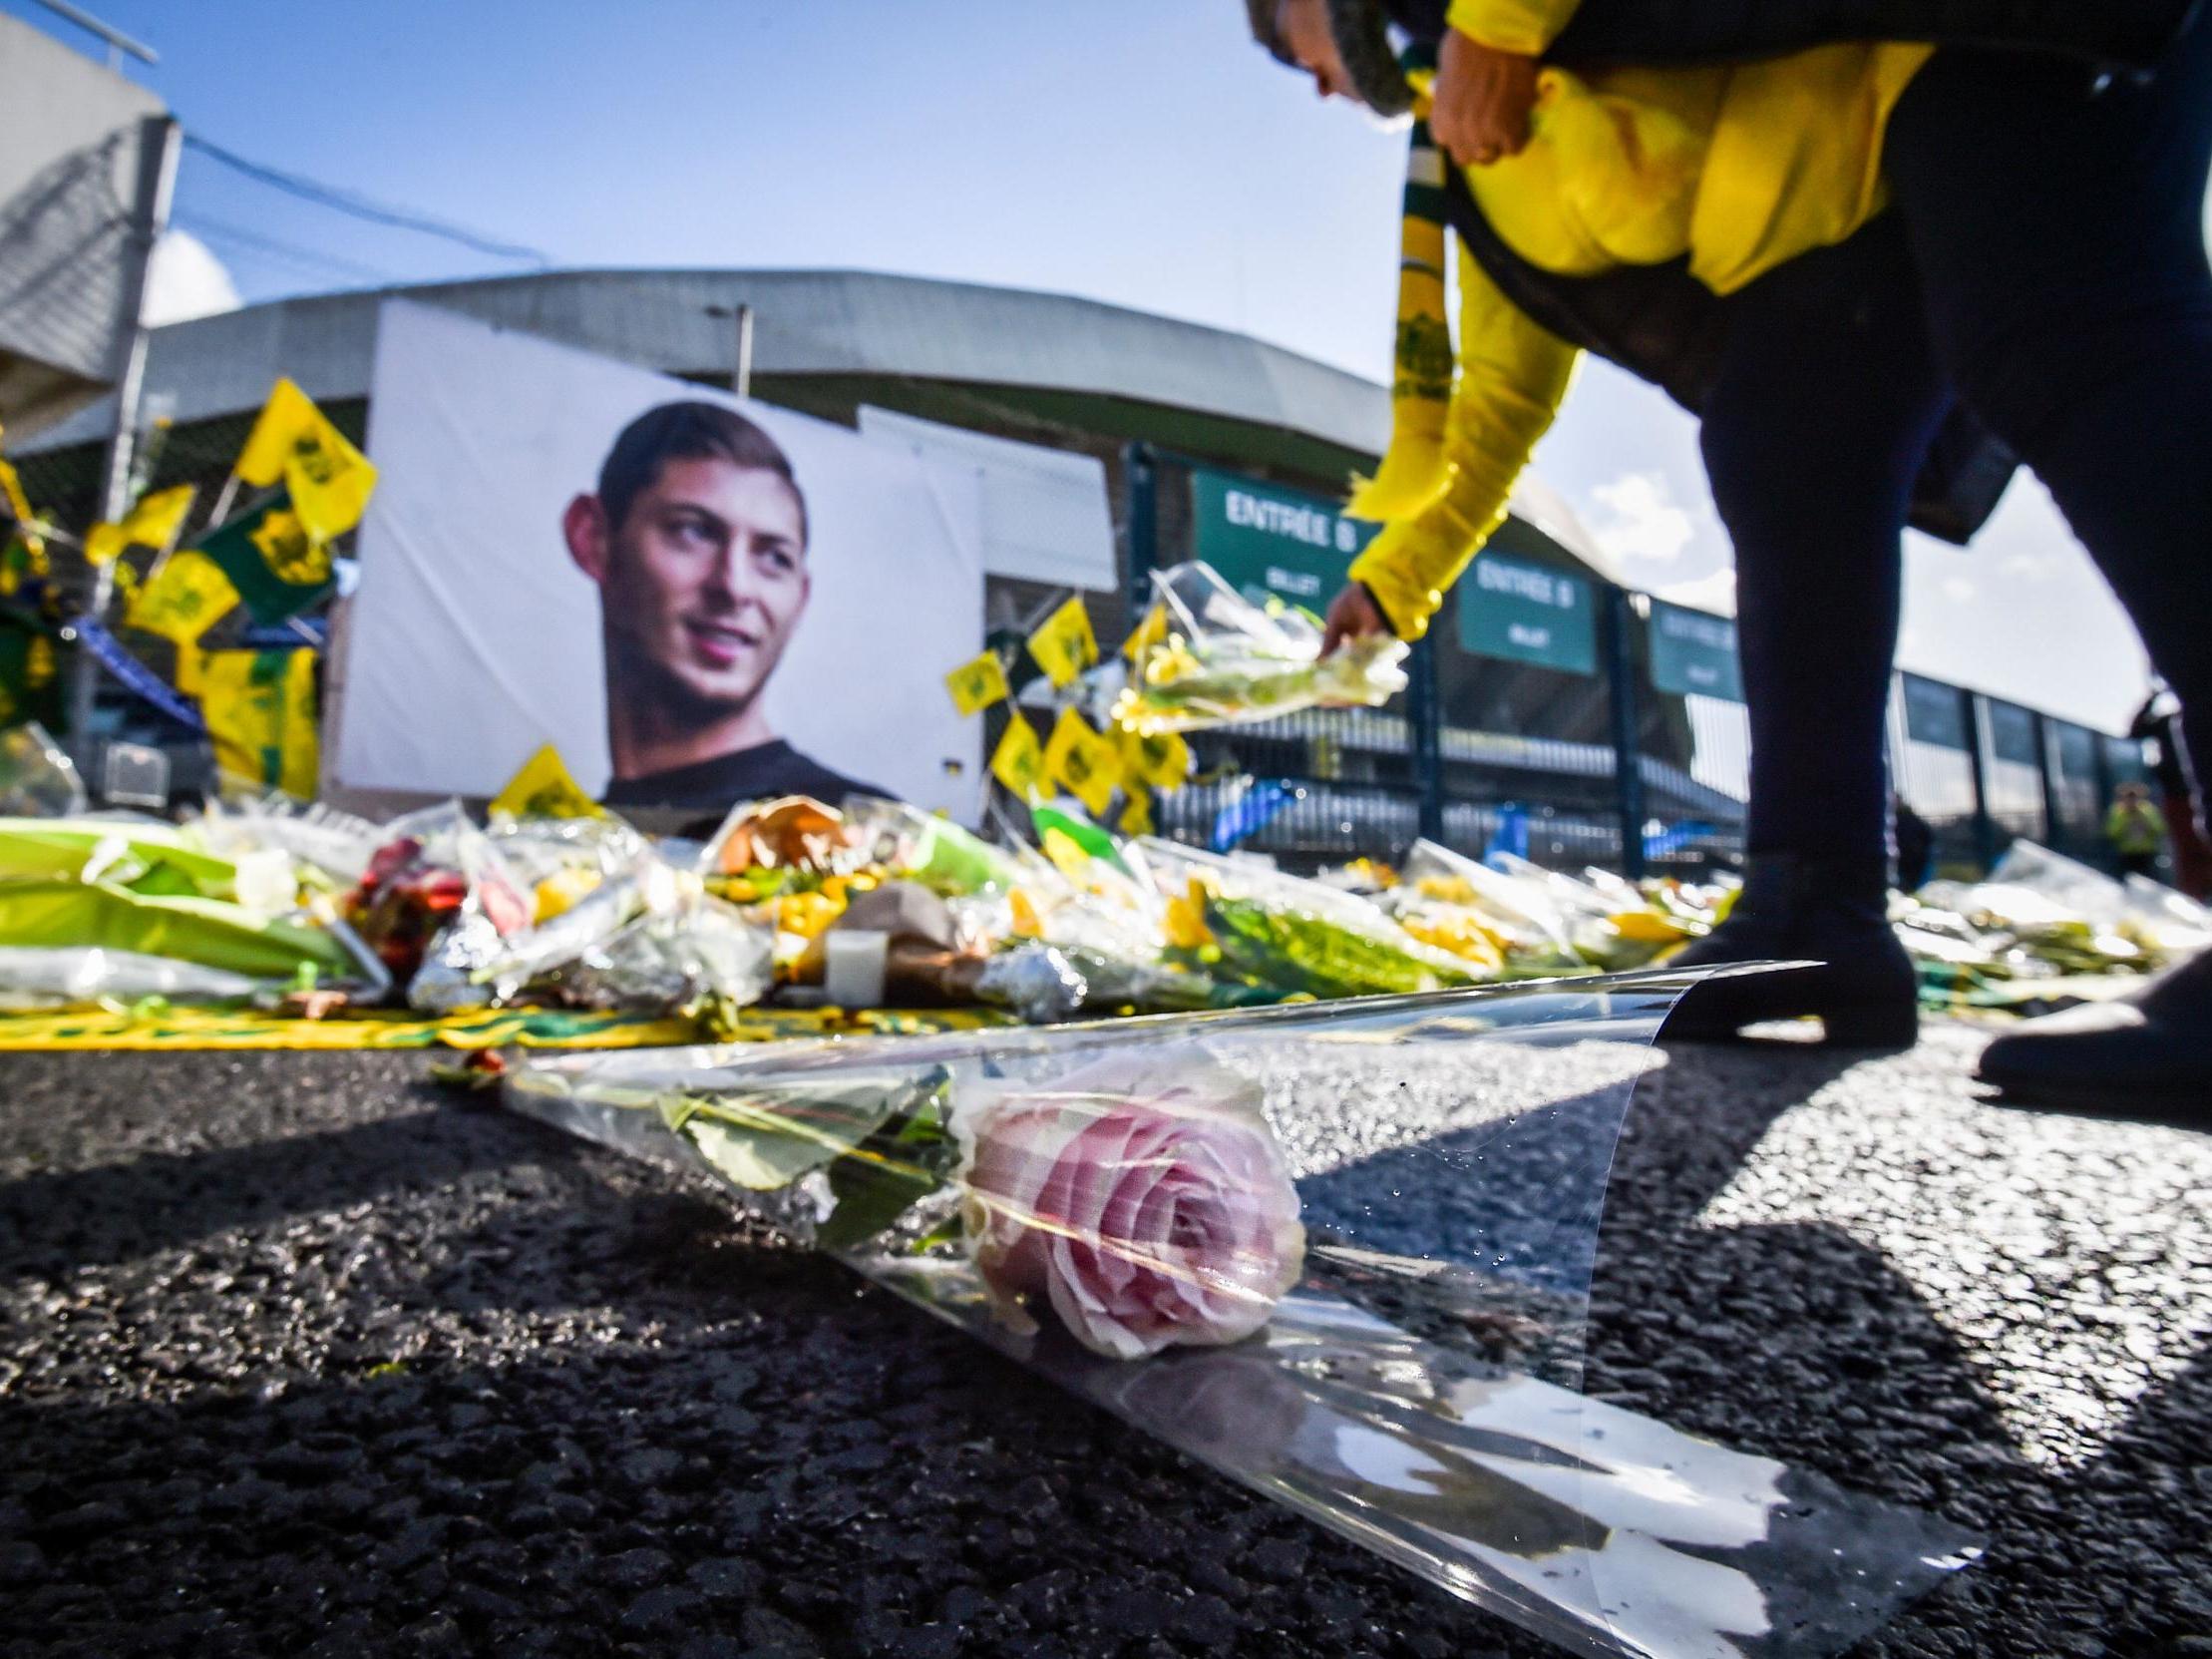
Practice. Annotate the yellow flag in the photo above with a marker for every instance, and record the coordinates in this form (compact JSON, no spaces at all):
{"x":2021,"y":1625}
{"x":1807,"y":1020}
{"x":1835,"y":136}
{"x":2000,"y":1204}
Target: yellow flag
{"x":1082,"y":762}
{"x":260,"y":712}
{"x":328,"y":477}
{"x":1065,"y":646}
{"x":1136,"y":815}
{"x":1149,"y":633}
{"x":183,"y":597}
{"x":1018,"y":762}
{"x":19,"y":509}
{"x":188,"y":678}
{"x":1162,"y":761}
{"x":977,"y":683}
{"x":154,"y":523}
{"x":544,"y":788}
{"x":11,"y":491}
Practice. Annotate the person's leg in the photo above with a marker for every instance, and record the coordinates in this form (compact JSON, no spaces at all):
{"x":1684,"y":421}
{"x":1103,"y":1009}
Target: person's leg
{"x":2060,"y":243}
{"x":1814,"y":431}
{"x":2059,"y":238}
{"x":1813,"y":435}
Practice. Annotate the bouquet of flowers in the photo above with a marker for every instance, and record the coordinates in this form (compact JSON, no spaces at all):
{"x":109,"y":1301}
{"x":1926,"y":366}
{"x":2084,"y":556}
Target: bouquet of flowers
{"x":1341,"y":1254}
{"x":1208,"y":657}
{"x":1141,"y":1201}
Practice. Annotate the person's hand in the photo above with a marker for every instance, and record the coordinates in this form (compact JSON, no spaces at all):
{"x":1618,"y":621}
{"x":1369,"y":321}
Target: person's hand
{"x":1352,"y":614}
{"x":1480,"y":107}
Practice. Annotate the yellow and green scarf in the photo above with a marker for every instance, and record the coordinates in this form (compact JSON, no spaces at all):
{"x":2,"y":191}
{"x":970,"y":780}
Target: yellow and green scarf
{"x":1413,"y":471}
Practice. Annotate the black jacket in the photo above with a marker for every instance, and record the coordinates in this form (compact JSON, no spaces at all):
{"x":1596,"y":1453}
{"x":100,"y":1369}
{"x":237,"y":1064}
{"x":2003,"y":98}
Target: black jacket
{"x":2117,"y":34}
{"x":1660,"y":323}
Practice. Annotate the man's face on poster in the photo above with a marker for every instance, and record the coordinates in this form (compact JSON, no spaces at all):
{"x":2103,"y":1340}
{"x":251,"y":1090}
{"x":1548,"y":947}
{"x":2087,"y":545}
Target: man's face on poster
{"x":703,"y":581}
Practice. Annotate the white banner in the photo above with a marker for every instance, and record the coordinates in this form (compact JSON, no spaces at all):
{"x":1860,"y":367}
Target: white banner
{"x":699,"y":600}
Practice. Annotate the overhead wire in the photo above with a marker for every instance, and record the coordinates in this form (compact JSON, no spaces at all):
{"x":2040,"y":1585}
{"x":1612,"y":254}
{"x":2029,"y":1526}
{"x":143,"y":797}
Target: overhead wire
{"x":365,"y":208}
{"x":253,"y":241}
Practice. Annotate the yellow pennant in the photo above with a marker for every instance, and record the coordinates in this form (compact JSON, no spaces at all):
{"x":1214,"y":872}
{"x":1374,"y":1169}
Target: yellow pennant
{"x":1082,"y":762}
{"x":1162,"y":761}
{"x":1065,"y":646}
{"x":1018,"y":762}
{"x":292,"y":552}
{"x":977,"y":683}
{"x":260,"y":712}
{"x":544,"y":788}
{"x":19,"y":509}
{"x":154,"y":523}
{"x":181,"y":599}
{"x":293,"y":441}
{"x":1151,"y":631}
{"x":1136,"y":815}
{"x":1186,"y":919}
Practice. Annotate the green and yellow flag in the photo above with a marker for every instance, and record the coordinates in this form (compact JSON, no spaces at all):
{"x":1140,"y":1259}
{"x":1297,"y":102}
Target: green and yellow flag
{"x":27,"y":523}
{"x":278,"y":567}
{"x":977,"y":683}
{"x":1018,"y":762}
{"x":1136,"y":814}
{"x":1082,"y":762}
{"x":154,"y":523}
{"x":183,"y":599}
{"x":1151,"y":631}
{"x":1065,"y":645}
{"x":261,"y":712}
{"x":30,"y":678}
{"x":1163,"y":761}
{"x":294,"y":443}
{"x":544,"y":788}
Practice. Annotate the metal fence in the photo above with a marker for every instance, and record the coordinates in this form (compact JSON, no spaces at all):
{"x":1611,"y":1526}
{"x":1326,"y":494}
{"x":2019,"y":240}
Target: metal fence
{"x":1488,"y":748}
{"x":1483,"y":752}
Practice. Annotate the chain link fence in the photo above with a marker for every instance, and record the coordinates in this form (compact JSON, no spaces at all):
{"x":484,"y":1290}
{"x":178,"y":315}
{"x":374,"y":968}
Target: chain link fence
{"x":1532,"y":686}
{"x":1611,"y":732}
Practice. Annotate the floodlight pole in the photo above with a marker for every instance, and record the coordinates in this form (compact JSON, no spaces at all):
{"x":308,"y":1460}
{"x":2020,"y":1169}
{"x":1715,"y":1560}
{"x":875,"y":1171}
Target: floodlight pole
{"x":159,"y":138}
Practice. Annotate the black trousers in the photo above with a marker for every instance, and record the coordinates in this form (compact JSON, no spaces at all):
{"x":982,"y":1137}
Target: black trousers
{"x":2045,"y":258}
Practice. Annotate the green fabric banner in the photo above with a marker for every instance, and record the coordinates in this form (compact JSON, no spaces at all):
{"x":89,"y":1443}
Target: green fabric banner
{"x":1265,"y":541}
{"x":277,"y":571}
{"x":1518,"y":612}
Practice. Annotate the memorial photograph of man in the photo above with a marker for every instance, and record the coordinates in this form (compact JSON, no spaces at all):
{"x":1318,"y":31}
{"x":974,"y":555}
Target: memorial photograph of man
{"x":696,"y":537}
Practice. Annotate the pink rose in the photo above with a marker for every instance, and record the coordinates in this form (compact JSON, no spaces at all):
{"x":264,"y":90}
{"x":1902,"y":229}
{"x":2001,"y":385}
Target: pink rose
{"x":1144,"y":1197}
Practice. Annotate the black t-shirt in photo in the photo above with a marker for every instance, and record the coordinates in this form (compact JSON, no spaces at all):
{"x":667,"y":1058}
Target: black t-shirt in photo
{"x":758,"y":773}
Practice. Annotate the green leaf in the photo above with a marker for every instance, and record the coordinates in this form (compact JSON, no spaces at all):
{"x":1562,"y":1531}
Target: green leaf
{"x":890,"y":1172}
{"x":767,"y":1138}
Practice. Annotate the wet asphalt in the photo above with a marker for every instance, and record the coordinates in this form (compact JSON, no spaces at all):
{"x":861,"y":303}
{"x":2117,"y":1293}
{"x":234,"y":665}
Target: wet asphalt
{"x":299,"y":1355}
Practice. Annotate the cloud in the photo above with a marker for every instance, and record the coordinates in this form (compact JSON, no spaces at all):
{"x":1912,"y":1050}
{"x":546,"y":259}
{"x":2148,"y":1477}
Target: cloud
{"x":1958,"y":589}
{"x":1716,"y":592}
{"x":1639,"y":518}
{"x":187,"y":281}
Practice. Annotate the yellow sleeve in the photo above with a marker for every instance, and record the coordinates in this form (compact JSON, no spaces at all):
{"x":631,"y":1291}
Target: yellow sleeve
{"x":1513,"y":376}
{"x":1526,"y":27}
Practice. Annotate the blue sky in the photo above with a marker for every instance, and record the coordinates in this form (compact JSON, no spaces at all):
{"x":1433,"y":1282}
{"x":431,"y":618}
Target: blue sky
{"x":1140,"y":153}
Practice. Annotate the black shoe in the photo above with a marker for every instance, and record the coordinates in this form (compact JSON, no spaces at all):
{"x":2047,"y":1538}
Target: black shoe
{"x":1829,"y":911}
{"x":2151,"y":1051}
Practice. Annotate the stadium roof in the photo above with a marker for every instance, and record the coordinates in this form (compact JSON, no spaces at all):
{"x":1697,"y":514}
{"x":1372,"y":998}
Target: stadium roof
{"x":809,"y":323}
{"x":1046,"y":357}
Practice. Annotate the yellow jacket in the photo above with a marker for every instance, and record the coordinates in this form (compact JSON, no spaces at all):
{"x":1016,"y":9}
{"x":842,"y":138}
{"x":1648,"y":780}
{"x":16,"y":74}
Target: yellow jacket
{"x":1740,"y":167}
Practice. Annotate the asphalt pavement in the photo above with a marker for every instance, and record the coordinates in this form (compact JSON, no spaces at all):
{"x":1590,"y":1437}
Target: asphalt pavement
{"x":299,"y":1357}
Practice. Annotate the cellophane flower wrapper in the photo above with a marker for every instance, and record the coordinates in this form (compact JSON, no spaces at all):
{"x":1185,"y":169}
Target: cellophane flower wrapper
{"x":1524,"y":920}
{"x":1341,"y":1254}
{"x":1224,"y":660}
{"x":37,"y":777}
{"x":1248,"y":924}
